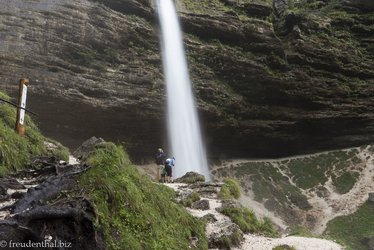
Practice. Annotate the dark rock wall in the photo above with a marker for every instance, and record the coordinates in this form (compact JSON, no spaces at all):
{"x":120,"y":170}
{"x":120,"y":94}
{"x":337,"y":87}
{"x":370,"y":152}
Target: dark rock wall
{"x":270,"y":79}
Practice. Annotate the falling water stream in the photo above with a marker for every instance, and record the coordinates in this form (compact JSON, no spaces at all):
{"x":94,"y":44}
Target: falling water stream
{"x":183,"y":123}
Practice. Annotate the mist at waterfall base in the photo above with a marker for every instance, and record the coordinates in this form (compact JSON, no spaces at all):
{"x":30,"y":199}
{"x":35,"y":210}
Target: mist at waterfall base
{"x":183,"y":123}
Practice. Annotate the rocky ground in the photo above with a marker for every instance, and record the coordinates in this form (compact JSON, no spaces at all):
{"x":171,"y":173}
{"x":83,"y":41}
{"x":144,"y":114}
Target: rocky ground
{"x":209,"y":207}
{"x":36,"y":204}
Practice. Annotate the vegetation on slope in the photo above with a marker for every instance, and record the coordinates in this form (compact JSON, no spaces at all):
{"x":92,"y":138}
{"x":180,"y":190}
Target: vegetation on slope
{"x":355,"y":230}
{"x":282,"y":185}
{"x":229,"y":190}
{"x":16,"y":151}
{"x":134,"y":212}
{"x":248,"y":222}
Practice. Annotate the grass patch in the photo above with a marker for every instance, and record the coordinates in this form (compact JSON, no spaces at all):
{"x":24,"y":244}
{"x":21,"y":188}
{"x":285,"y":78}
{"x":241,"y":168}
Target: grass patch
{"x":16,"y":151}
{"x":206,"y":6}
{"x":248,"y":222}
{"x":301,"y":231}
{"x":284,"y":247}
{"x":353,"y":230}
{"x":229,"y":190}
{"x":309,"y":172}
{"x":134,"y":212}
{"x":345,"y":182}
{"x":191,"y":198}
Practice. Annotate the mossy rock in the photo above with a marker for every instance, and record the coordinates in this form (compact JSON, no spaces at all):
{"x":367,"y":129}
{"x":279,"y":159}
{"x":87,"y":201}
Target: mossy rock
{"x":190,"y":177}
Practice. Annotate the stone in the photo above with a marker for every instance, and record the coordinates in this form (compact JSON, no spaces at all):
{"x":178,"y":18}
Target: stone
{"x":229,"y":204}
{"x":371,"y":197}
{"x":368,"y":242}
{"x":228,"y":236}
{"x":365,"y":5}
{"x":87,"y":147}
{"x":190,"y":177}
{"x":230,"y":2}
{"x":258,"y":10}
{"x":280,"y":6}
{"x":301,"y":201}
{"x":201,"y":205}
{"x":209,"y":218}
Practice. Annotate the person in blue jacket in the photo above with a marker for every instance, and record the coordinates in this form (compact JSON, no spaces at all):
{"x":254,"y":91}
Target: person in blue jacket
{"x":169,"y":164}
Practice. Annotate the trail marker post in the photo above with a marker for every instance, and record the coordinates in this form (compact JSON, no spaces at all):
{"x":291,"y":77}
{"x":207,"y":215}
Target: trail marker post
{"x":22,"y":95}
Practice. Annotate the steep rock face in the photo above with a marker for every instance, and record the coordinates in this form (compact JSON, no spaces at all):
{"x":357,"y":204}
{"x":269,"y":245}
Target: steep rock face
{"x":301,"y":81}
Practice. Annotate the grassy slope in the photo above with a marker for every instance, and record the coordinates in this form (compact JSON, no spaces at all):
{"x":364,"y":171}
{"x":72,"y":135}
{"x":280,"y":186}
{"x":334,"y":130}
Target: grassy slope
{"x":16,"y":151}
{"x":135,"y":213}
{"x":353,"y":230}
{"x":308,"y":173}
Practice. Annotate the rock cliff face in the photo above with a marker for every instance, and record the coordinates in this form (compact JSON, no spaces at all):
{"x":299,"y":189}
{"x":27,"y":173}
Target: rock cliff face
{"x":270,"y":79}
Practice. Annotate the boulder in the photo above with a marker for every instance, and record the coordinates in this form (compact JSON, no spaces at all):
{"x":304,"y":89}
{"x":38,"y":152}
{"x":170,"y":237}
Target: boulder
{"x":88,"y":146}
{"x":371,"y":197}
{"x":230,"y":2}
{"x":257,"y":10}
{"x":228,"y":236}
{"x":229,"y":204}
{"x":364,"y":5}
{"x":209,"y":218}
{"x":191,"y":177}
{"x":280,"y":6}
{"x":201,"y":205}
{"x":368,"y":242}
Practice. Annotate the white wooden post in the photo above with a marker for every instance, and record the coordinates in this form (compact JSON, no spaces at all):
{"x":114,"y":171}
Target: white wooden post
{"x":20,"y":121}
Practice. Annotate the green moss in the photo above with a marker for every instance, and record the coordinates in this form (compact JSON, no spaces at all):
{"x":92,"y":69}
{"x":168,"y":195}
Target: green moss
{"x":248,"y":222}
{"x":345,"y":182}
{"x":205,"y":6}
{"x":134,"y":212}
{"x":191,"y":198}
{"x":227,"y":242}
{"x":353,"y":229}
{"x":16,"y":151}
{"x":301,"y":231}
{"x":284,"y":247}
{"x":230,"y":189}
{"x":314,"y":170}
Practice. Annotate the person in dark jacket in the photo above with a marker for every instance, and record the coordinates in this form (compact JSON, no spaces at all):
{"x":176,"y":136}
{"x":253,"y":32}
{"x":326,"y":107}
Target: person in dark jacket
{"x":160,"y":161}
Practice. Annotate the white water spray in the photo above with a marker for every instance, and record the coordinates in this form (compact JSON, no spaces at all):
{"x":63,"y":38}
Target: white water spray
{"x":183,"y":123}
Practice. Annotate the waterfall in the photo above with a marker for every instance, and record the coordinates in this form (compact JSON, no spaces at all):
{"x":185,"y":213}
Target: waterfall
{"x":183,"y":123}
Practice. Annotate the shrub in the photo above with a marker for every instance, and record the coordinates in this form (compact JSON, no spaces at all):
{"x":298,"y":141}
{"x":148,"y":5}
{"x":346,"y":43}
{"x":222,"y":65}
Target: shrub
{"x":229,"y":190}
{"x":191,"y":198}
{"x":248,"y":222}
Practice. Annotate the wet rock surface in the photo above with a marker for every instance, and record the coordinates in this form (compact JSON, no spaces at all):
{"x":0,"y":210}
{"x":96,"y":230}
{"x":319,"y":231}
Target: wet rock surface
{"x":48,"y":208}
{"x":264,"y":86}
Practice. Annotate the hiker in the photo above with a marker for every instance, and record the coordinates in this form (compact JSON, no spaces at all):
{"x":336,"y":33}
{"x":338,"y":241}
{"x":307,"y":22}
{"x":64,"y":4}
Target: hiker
{"x":169,"y":164}
{"x":160,"y":161}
